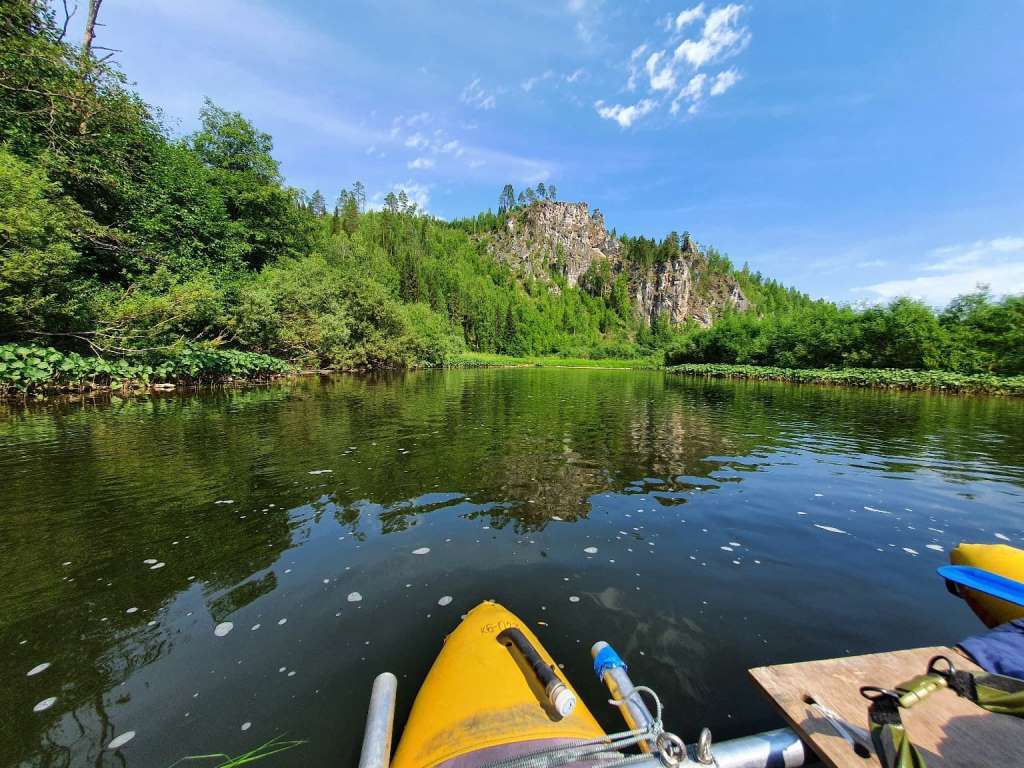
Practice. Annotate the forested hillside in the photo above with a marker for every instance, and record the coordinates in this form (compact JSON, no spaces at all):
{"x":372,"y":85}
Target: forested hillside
{"x":123,"y":241}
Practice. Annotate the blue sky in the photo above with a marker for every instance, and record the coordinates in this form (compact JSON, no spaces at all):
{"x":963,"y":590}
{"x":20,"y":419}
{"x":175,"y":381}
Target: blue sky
{"x":855,"y":149}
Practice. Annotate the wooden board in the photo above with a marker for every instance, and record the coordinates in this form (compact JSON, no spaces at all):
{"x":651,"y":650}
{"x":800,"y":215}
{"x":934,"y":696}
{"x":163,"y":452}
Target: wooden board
{"x":949,"y":731}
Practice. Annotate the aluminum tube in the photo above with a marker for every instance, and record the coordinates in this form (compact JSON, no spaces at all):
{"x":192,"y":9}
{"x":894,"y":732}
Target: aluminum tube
{"x":634,"y":711}
{"x":780,"y":748}
{"x":380,"y":719}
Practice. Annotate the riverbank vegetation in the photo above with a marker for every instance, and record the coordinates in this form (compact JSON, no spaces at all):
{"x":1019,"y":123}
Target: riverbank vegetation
{"x":879,"y":378}
{"x":130,"y":254}
{"x":487,"y":360}
{"x":975,"y":334}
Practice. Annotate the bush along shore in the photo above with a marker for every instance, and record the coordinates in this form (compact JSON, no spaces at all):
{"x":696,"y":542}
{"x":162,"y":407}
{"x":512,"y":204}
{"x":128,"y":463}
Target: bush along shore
{"x":881,"y":378}
{"x":34,"y":371}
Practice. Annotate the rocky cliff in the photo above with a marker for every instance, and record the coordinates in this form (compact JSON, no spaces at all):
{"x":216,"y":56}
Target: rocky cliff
{"x":549,"y":239}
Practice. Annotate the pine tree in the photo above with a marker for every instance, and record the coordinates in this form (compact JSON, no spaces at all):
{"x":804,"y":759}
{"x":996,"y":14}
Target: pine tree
{"x":359,"y":193}
{"x":552,"y":192}
{"x":507,"y":199}
{"x":522,"y":198}
{"x":350,"y":214}
{"x":317,"y":205}
{"x":542,"y":191}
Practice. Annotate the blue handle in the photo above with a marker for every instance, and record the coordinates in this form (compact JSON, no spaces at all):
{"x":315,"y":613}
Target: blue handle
{"x":607,"y":659}
{"x":984,"y":581}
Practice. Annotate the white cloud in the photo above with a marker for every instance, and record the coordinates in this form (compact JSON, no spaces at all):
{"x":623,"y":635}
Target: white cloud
{"x":725,"y":80}
{"x":475,"y":96}
{"x":575,"y":75}
{"x":634,"y":66}
{"x":528,"y":84}
{"x":959,"y":269}
{"x":421,"y":163}
{"x":722,"y":38}
{"x":625,"y":115}
{"x":688,"y":17}
{"x":693,"y":92}
{"x":453,"y":147}
{"x":417,"y":141}
{"x":588,"y":16}
{"x":663,"y":79}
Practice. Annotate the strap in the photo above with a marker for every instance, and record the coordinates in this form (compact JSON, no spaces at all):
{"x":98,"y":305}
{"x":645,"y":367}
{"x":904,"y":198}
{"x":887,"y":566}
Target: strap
{"x":995,"y":693}
{"x":892,"y":745}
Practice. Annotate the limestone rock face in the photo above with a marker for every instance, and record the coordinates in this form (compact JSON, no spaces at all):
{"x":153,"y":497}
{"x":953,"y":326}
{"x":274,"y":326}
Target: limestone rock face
{"x":551,"y":238}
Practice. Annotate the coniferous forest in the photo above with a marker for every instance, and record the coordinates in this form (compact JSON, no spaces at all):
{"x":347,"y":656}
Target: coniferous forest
{"x":127,"y":252}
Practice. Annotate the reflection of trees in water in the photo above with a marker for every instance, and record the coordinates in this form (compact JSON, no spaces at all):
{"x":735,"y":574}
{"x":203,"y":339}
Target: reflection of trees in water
{"x":107,"y":486}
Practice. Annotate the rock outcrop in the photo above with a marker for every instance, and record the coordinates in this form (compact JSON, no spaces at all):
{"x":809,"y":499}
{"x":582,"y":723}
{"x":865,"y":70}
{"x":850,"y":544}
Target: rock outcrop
{"x":549,"y":239}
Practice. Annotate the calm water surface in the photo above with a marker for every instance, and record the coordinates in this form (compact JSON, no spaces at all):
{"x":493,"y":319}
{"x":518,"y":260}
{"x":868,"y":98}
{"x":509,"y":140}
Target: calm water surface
{"x":735,"y":525}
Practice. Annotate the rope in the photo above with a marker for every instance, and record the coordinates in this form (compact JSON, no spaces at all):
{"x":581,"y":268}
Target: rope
{"x":605,"y":748}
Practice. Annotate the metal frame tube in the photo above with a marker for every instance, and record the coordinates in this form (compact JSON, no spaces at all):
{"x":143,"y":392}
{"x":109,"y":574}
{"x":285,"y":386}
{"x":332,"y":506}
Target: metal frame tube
{"x":634,"y":710}
{"x":780,"y":748}
{"x":380,"y":720}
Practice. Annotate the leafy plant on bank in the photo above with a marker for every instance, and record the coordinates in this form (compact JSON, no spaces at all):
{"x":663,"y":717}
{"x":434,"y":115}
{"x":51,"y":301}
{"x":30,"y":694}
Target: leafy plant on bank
{"x":882,"y":378}
{"x":26,"y":369}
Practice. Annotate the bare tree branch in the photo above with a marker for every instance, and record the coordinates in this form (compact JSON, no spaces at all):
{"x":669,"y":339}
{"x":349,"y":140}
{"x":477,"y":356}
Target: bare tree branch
{"x":67,"y":20}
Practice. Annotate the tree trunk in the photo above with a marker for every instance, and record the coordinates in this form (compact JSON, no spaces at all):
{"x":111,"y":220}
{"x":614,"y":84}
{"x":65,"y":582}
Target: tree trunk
{"x":90,"y":29}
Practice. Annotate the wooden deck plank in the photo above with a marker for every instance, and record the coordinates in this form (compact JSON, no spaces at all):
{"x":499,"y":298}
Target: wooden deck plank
{"x":949,"y":731}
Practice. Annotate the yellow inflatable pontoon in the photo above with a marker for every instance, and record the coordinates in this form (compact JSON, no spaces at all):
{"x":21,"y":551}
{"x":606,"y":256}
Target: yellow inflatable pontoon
{"x":995,"y":558}
{"x":482,"y":701}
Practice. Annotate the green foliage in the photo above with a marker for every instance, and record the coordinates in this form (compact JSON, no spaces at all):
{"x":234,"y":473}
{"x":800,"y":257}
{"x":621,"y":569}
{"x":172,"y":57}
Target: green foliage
{"x":973,"y":335}
{"x":27,"y":369}
{"x":885,"y":378}
{"x":38,"y":250}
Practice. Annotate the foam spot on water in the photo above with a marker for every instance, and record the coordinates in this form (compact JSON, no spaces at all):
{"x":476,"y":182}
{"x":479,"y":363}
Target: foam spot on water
{"x":157,"y":566}
{"x":726,"y":549}
{"x":282,"y":622}
{"x":819,"y":495}
{"x":131,"y":610}
{"x":829,"y":528}
{"x":735,"y":544}
{"x":246,"y":725}
{"x":225,"y":501}
{"x":254,"y":627}
{"x":121,"y":740}
{"x":573,"y":599}
{"x":936,"y":547}
{"x":150,"y":561}
{"x":421,"y":551}
{"x":910,"y":551}
{"x":223,"y":628}
{"x":446,"y":600}
{"x":590,"y":550}
{"x":292,"y":673}
{"x":37,"y":669}
{"x":45,"y":704}
{"x":1002,"y":536}
{"x":354,"y":597}
{"x":321,"y":471}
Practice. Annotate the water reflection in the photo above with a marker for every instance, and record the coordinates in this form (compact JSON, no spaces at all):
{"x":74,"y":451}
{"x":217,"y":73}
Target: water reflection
{"x":131,"y":528}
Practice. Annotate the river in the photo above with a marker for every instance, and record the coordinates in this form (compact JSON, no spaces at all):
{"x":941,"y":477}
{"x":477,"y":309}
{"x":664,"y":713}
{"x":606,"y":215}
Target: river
{"x":211,"y":570}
